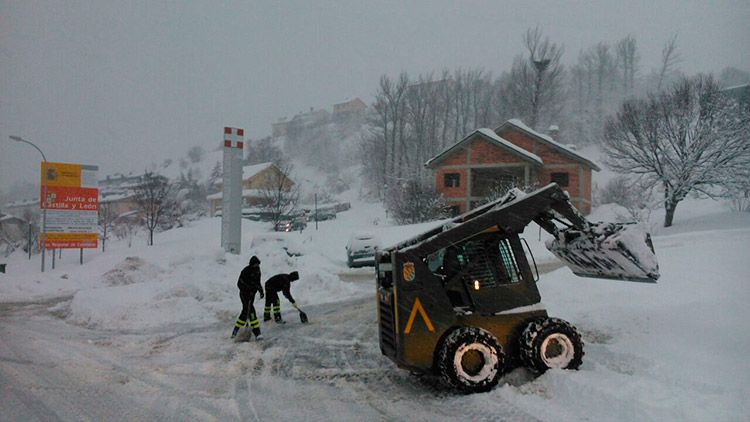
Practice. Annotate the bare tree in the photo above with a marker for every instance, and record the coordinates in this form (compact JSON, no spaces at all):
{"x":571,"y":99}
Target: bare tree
{"x":280,"y":195}
{"x":536,"y":81}
{"x":127,"y":225}
{"x":152,"y":198}
{"x":107,"y":219}
{"x":689,"y":139}
{"x":627,"y":60}
{"x":669,"y":60}
{"x":388,"y":123}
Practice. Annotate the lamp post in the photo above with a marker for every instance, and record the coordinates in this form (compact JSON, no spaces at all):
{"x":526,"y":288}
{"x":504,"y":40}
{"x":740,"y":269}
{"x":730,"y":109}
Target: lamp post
{"x":44,"y":195}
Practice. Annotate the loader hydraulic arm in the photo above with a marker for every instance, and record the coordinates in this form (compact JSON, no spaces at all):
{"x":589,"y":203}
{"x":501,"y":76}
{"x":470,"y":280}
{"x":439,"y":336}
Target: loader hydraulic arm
{"x":601,"y":250}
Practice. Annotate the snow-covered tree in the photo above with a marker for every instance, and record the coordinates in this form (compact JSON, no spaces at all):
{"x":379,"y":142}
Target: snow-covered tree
{"x":214,"y":178}
{"x":689,"y":139}
{"x":263,"y":151}
{"x":414,"y":201}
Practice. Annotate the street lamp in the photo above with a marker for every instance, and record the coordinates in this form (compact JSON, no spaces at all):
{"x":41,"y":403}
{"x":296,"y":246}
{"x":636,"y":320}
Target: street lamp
{"x":44,"y":195}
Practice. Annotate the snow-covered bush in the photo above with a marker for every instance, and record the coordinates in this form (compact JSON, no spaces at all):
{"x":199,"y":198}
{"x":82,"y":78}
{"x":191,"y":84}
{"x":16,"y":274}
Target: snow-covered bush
{"x":633,"y":195}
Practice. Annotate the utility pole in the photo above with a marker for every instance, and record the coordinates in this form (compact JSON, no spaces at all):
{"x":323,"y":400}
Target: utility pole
{"x":44,"y":202}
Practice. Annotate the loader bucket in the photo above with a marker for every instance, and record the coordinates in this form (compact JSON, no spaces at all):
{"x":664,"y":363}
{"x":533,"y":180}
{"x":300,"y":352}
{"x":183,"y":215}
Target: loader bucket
{"x":607,"y":250}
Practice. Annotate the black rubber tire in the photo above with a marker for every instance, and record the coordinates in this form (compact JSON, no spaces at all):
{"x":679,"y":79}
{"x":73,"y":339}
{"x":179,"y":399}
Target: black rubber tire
{"x":471,"y":344}
{"x":551,"y":343}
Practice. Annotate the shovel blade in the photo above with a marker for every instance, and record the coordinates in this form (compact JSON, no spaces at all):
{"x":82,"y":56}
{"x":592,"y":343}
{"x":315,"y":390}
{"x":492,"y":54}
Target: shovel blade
{"x":611,"y":250}
{"x":303,"y":317}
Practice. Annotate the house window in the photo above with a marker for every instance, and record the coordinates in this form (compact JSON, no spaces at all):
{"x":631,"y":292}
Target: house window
{"x":560,"y":178}
{"x":452,"y":180}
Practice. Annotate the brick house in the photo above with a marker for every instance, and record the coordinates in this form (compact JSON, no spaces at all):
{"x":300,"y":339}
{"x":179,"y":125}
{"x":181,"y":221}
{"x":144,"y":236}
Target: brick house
{"x":349,"y":109}
{"x":257,"y":179}
{"x":488,"y":162}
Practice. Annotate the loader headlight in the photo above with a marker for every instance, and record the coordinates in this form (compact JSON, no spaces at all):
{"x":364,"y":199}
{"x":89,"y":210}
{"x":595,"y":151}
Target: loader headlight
{"x":476,"y":284}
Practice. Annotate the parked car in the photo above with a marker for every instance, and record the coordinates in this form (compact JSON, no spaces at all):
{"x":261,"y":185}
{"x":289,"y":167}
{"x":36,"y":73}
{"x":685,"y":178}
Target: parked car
{"x":270,"y":242}
{"x":361,"y":248}
{"x":324,"y":215}
{"x":291,"y":225}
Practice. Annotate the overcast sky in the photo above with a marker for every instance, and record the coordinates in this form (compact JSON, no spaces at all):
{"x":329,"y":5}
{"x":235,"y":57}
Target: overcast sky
{"x":124,"y":84}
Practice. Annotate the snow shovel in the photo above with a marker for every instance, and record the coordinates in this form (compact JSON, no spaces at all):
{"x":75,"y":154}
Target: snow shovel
{"x":302,"y":316}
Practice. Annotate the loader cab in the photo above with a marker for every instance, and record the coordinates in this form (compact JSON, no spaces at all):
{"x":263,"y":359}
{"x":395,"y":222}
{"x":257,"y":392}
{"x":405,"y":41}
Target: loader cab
{"x":486,"y":274}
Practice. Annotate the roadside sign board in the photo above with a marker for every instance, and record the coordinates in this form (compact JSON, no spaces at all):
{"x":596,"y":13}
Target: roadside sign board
{"x":72,"y":205}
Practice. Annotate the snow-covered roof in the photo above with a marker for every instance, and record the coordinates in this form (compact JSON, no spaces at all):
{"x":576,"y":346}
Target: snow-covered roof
{"x":21,"y":203}
{"x":246,"y":193}
{"x":518,"y":124}
{"x":492,"y":137}
{"x":730,"y":88}
{"x":9,"y":218}
{"x":113,"y":197}
{"x":252,"y":170}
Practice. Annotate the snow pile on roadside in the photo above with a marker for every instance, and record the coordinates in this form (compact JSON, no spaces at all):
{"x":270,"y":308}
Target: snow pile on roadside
{"x":675,"y":350}
{"x":187,"y":279}
{"x":132,"y":270}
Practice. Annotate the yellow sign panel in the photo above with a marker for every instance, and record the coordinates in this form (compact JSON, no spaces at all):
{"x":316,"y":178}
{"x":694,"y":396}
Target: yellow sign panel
{"x":71,"y":240}
{"x":414,"y":309}
{"x":62,"y":174}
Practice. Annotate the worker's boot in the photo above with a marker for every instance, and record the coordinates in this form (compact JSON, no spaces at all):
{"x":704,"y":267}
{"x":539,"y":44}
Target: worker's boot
{"x":234,"y":331}
{"x":277,"y":313}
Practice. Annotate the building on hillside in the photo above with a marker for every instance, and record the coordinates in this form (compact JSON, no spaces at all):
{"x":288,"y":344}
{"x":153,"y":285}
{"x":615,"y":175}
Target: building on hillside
{"x":257,"y":181}
{"x":280,"y":128}
{"x":117,"y":191}
{"x":27,"y":209}
{"x":488,"y":162}
{"x":349,"y":109}
{"x":300,"y":121}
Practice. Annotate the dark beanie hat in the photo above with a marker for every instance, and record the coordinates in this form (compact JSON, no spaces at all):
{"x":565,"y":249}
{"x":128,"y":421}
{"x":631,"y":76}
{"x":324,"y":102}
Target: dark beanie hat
{"x":254,"y":260}
{"x":294,"y":275}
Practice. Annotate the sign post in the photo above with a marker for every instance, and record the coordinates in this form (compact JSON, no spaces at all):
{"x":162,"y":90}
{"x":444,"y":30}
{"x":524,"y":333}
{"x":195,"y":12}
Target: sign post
{"x":231,"y":199}
{"x":72,"y":205}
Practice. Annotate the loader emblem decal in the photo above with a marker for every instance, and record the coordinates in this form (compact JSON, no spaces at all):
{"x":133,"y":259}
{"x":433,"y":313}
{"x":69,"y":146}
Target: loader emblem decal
{"x":414,"y":309}
{"x":409,"y":272}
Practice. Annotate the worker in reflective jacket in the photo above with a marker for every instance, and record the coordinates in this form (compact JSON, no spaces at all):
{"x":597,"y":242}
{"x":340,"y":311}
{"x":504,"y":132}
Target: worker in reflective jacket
{"x":249,"y":284}
{"x":274,"y":285}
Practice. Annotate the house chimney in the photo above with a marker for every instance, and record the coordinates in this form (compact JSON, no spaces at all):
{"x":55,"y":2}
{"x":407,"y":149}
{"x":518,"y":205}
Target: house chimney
{"x":553,"y":131}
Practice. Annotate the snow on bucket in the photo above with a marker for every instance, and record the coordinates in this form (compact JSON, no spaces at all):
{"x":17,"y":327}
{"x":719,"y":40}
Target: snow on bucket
{"x":607,"y":250}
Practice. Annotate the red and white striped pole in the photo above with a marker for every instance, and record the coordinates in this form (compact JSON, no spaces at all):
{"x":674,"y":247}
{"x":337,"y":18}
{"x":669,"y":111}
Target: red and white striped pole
{"x":231,"y":203}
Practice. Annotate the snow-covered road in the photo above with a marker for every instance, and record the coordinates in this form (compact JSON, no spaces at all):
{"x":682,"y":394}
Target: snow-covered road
{"x":330,"y":369}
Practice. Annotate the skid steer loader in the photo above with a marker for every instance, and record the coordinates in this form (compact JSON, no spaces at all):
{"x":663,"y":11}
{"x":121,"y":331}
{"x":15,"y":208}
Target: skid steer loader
{"x":461,"y":300}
